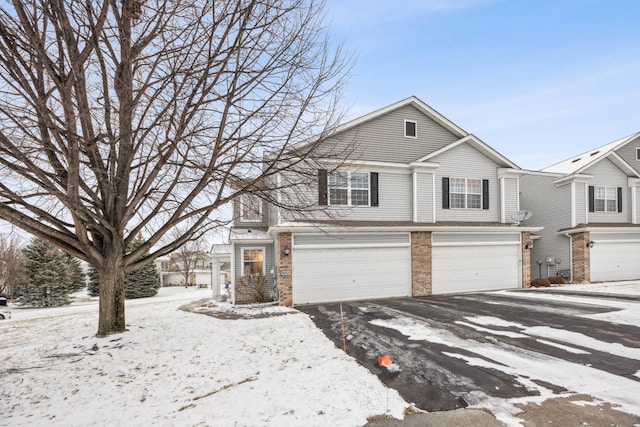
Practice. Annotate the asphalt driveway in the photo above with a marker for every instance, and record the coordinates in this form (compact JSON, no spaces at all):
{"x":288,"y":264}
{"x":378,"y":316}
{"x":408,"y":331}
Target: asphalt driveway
{"x":487,"y":349}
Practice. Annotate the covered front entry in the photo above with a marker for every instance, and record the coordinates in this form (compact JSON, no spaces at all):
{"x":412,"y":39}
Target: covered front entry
{"x":468,"y":262}
{"x":615,"y":256}
{"x":350,"y":266}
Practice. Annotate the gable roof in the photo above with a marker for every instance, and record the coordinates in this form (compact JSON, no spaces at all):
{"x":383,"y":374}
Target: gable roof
{"x":412,"y":101}
{"x":475,"y":142}
{"x":579,"y":163}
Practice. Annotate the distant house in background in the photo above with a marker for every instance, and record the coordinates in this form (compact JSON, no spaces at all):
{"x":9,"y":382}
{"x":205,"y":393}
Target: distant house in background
{"x":207,"y":269}
{"x":589,"y":206}
{"x":422,"y":208}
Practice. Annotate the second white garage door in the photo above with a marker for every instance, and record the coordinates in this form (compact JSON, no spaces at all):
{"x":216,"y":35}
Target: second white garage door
{"x":466,"y":262}
{"x":357,"y":266}
{"x":615,"y":256}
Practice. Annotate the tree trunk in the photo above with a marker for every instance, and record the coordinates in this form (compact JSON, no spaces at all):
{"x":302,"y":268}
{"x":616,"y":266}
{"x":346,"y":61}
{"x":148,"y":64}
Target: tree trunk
{"x":111,"y":276}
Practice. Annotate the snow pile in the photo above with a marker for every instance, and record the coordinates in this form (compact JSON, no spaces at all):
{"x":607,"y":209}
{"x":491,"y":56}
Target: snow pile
{"x":181,"y":368}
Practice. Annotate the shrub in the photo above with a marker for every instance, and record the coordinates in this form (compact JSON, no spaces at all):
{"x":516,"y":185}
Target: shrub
{"x":540,"y":283}
{"x":557,"y":280}
{"x":252,"y":288}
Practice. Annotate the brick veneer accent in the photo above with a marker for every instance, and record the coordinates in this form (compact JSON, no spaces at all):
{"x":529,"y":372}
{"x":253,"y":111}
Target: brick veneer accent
{"x":420,"y":263}
{"x":526,"y":260}
{"x":581,"y":258}
{"x":285,"y":283}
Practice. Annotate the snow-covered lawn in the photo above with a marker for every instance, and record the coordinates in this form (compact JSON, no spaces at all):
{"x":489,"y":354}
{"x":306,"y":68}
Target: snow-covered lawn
{"x":180,"y":368}
{"x":177,"y":368}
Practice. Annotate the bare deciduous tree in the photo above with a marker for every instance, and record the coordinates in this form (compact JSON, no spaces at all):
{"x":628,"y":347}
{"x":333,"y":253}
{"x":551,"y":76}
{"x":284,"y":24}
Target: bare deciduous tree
{"x":11,"y":262}
{"x":129,"y":116}
{"x":185,"y":260}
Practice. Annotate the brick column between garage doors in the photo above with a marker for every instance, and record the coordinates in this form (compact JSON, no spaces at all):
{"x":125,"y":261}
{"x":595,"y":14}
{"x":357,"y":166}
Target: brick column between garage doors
{"x":285,"y":265}
{"x":420,"y":263}
{"x":580,"y":258}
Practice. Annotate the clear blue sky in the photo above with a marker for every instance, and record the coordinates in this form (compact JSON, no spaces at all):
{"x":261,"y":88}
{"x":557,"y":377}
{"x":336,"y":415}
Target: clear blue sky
{"x":538,"y":80}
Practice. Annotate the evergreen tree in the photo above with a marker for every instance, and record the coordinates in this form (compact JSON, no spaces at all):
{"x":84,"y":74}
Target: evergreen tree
{"x":93,"y":284}
{"x":142,"y":282}
{"x":76,"y":275}
{"x":47,"y":281}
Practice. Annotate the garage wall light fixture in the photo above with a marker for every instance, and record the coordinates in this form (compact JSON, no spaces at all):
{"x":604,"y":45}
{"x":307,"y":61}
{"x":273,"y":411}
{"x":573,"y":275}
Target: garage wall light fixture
{"x":590,"y":243}
{"x":286,"y":251}
{"x":528,"y":245}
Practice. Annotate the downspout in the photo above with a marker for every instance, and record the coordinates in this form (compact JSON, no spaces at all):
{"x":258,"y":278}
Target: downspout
{"x":233,"y":273}
{"x":570,"y":256}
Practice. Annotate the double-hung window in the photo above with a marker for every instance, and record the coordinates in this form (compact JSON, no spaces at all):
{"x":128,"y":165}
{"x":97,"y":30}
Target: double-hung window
{"x":465,"y":193}
{"x":250,"y":208}
{"x":605,"y":199}
{"x":348,"y":188}
{"x":253,"y":261}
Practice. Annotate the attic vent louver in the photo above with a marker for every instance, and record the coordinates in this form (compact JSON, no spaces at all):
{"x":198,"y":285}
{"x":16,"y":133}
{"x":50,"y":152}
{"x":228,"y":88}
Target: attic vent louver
{"x":594,"y":153}
{"x":575,"y":160}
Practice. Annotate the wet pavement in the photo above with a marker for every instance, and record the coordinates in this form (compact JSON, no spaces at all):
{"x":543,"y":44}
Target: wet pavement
{"x":441,"y":350}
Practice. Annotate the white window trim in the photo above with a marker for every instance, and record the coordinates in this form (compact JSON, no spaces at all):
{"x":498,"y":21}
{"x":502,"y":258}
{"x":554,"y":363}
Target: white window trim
{"x":254,"y":248}
{"x":615,"y":199}
{"x":243,"y":217}
{"x":349,"y":188}
{"x":405,"y":129}
{"x":466,"y":193}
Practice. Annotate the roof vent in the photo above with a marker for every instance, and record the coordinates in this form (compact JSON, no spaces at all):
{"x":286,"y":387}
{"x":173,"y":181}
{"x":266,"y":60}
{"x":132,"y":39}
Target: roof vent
{"x":594,"y":153}
{"x":575,"y":160}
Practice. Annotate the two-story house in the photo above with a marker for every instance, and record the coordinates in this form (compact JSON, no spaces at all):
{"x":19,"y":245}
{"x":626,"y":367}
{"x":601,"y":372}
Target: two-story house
{"x":422,"y":208}
{"x":590,"y":208}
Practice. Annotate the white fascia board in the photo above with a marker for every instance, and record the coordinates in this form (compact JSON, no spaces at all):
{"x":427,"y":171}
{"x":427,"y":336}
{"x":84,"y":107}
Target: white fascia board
{"x":406,"y":228}
{"x":426,"y":167}
{"x":572,"y":178}
{"x":477,"y":144}
{"x":396,"y":167}
{"x":510,"y":173}
{"x":622,"y":164}
{"x":619,"y":230}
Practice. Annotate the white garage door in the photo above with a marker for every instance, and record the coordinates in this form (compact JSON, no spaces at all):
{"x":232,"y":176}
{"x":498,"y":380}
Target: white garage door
{"x":465,"y":262}
{"x":615,"y":257}
{"x":359,"y":266}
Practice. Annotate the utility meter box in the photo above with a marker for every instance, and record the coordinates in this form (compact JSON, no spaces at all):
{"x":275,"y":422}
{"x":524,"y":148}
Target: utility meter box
{"x":551,"y":260}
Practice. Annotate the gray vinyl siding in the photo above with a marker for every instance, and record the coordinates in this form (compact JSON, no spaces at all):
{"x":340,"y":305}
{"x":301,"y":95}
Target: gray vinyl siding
{"x":581,"y":202}
{"x":394,"y":201}
{"x":382,"y":138}
{"x":465,"y":161}
{"x":269,"y":259}
{"x":551,"y":208}
{"x":628,"y":153}
{"x":605,"y":173}
{"x":424,"y":195}
{"x":510,"y":197}
{"x":237,"y":221}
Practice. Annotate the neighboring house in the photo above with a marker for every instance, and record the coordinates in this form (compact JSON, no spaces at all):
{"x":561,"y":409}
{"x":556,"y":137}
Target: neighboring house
{"x":422,"y":208}
{"x":207,"y":269}
{"x":590,"y":208}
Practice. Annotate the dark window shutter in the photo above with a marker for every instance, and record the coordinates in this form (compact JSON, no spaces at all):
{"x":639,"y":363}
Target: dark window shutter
{"x":445,"y":193}
{"x":373,"y":181}
{"x":619,"y":199}
{"x":485,"y":194}
{"x":322,"y":187}
{"x":592,"y":203}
